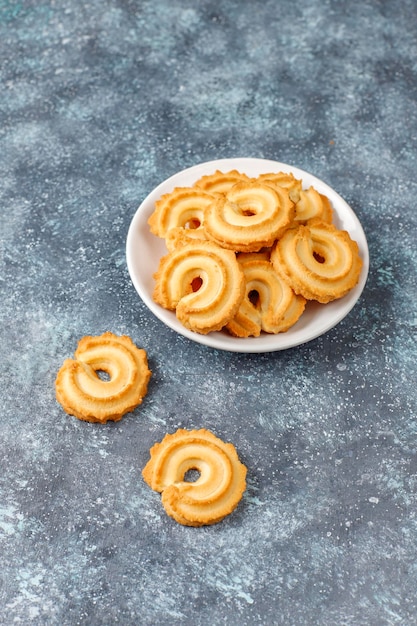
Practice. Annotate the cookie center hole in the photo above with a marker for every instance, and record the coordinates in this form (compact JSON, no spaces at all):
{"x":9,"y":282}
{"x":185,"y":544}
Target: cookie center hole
{"x":192,"y":475}
{"x":319,"y":258}
{"x":196,"y":283}
{"x":193,"y":224}
{"x":253,"y":297}
{"x":103,"y":375}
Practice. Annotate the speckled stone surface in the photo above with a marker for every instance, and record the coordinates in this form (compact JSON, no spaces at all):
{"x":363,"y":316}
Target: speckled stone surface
{"x":101,"y":101}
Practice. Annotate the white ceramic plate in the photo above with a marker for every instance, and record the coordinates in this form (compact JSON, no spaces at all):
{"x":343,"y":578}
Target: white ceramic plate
{"x":143,"y":251}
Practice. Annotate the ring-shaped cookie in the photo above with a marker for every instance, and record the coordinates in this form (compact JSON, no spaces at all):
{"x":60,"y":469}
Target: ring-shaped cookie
{"x":81,"y":390}
{"x":249,"y":217}
{"x":318,"y":261}
{"x":219,"y":487}
{"x":181,"y":208}
{"x":202,"y":282}
{"x":269,"y":305}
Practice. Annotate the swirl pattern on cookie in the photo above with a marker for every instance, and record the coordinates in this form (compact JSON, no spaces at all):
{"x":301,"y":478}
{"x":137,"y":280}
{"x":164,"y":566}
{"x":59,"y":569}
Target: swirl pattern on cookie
{"x":318,"y":261}
{"x":83,"y":393}
{"x":181,"y":208}
{"x":269,"y":305}
{"x":202,"y":282}
{"x":313,"y":205}
{"x":219,"y":487}
{"x":250,"y":216}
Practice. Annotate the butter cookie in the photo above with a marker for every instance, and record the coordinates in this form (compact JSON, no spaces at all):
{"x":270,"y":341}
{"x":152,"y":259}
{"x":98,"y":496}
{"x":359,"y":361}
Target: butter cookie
{"x":123,"y":383}
{"x":249,"y":217}
{"x":202,"y":282}
{"x":269,"y":305}
{"x":218,"y":488}
{"x":318,"y":261}
{"x":181,"y":208}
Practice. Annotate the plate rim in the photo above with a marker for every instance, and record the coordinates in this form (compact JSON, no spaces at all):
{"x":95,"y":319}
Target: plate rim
{"x":220,"y":340}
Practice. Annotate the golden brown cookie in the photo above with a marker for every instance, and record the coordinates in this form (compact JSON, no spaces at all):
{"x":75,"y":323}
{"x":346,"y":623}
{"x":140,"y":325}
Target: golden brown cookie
{"x":249,"y":217}
{"x":181,"y":208}
{"x":81,"y":391}
{"x":318,"y":261}
{"x":269,"y":305}
{"x":202,"y":282}
{"x":219,"y":487}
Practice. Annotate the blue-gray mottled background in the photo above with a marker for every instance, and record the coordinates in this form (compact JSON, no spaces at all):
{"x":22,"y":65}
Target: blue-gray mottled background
{"x":100,"y":102}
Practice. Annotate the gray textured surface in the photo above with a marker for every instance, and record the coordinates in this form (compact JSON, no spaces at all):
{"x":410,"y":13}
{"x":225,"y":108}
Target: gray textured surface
{"x":100,"y":102}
